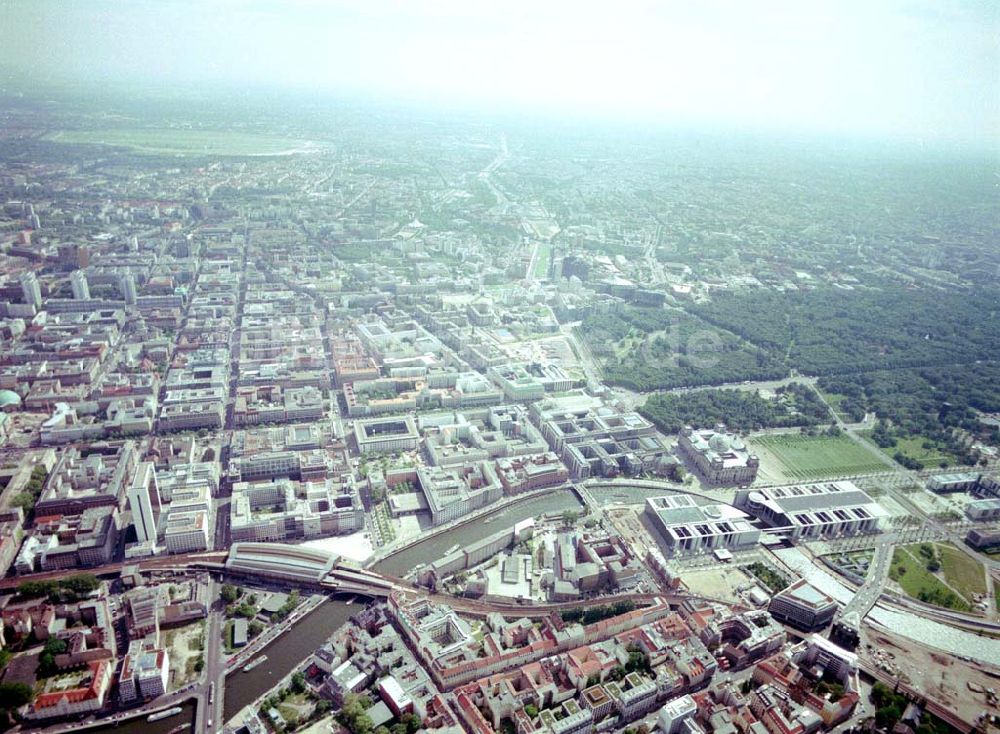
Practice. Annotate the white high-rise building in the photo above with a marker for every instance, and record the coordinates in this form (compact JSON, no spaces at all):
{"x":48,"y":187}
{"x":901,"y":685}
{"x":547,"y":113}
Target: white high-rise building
{"x":675,"y":712}
{"x":81,"y":291}
{"x":127,"y":286}
{"x":142,"y":493}
{"x":30,"y":289}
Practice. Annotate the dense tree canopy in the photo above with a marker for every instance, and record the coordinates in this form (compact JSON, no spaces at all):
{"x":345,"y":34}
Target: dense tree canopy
{"x":741,"y":410}
{"x":653,"y":348}
{"x":68,"y":589}
{"x":914,"y":400}
{"x":14,"y":695}
{"x":353,"y":714}
{"x":937,"y":404}
{"x":835,"y":331}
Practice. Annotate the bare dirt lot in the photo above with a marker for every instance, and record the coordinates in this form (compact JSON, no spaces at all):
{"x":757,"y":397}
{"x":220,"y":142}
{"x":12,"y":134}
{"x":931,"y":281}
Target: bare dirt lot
{"x":718,"y":583}
{"x":186,"y":647}
{"x":628,"y":522}
{"x":941,"y":677}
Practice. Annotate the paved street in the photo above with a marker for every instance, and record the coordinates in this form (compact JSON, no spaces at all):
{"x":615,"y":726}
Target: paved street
{"x":878,"y":574}
{"x":210,"y":705}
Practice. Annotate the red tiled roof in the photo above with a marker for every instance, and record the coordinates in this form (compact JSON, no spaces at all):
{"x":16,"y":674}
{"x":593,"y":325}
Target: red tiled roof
{"x":75,"y":695}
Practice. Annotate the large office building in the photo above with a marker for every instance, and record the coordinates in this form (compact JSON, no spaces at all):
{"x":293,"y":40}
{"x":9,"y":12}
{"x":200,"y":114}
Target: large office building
{"x":953,"y":482}
{"x":144,"y":501}
{"x":689,"y":529}
{"x":803,"y":606}
{"x":126,"y":286}
{"x":31,"y":291}
{"x":286,"y":510}
{"x":308,"y":465}
{"x":193,"y":408}
{"x":187,"y":530}
{"x":983,"y":538}
{"x":386,"y":435}
{"x":984,"y":510}
{"x":454,"y":438}
{"x":595,"y":439}
{"x":144,"y":673}
{"x":675,"y":712}
{"x":809,"y":511}
{"x":454,"y":492}
{"x":84,"y":478}
{"x":81,"y":289}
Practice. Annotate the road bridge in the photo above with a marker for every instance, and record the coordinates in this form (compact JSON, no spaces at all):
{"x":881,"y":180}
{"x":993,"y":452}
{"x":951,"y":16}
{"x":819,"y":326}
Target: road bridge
{"x":878,"y":573}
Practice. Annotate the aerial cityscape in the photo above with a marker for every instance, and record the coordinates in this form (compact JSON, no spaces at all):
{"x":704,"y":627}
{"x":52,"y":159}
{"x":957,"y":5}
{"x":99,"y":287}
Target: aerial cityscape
{"x":325,"y":415}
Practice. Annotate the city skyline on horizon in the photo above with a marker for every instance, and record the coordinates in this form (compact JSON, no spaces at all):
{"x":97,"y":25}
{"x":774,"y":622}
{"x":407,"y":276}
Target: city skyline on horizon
{"x":904,"y":70}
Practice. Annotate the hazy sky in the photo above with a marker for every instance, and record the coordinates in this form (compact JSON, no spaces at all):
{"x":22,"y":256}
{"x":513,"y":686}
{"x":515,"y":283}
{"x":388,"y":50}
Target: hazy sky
{"x":917,"y":68}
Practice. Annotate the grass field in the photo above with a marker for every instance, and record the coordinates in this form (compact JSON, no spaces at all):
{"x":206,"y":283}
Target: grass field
{"x":834,"y":400}
{"x":964,"y":574}
{"x":817,"y":457}
{"x":910,"y":572}
{"x":912,"y":446}
{"x":183,"y":142}
{"x":542,"y":263}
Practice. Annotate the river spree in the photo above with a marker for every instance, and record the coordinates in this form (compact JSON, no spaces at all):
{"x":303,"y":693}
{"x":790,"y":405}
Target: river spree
{"x":297,"y":643}
{"x":141,"y":726}
{"x":433,"y":548}
{"x":288,"y":651}
{"x":291,"y":648}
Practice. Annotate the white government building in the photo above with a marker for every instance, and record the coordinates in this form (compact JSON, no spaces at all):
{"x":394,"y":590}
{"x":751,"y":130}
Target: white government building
{"x":821,"y":509}
{"x":690,"y":529}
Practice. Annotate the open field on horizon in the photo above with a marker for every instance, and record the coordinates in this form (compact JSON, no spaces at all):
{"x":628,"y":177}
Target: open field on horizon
{"x":183,"y":141}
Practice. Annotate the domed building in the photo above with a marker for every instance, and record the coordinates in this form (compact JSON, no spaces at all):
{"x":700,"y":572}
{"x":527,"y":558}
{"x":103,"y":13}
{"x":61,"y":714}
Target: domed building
{"x":9,"y":400}
{"x":720,"y":457}
{"x":719,"y":443}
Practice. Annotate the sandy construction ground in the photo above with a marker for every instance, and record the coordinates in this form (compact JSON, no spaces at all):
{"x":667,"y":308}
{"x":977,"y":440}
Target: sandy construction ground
{"x":941,"y":677}
{"x":717,"y":583}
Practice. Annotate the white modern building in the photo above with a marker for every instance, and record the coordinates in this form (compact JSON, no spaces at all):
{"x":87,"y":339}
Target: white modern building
{"x":674,"y":713}
{"x":143,"y":492}
{"x":144,"y":673}
{"x":822,"y":509}
{"x":187,"y":531}
{"x":81,"y":289}
{"x":31,"y":291}
{"x":688,"y":528}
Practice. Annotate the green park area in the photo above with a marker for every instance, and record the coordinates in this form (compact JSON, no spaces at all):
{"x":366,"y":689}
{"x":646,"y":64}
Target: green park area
{"x":962,"y":572}
{"x":805,"y":458}
{"x":542,"y":261}
{"x":923,"y":451}
{"x":938,"y":573}
{"x":181,"y":141}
